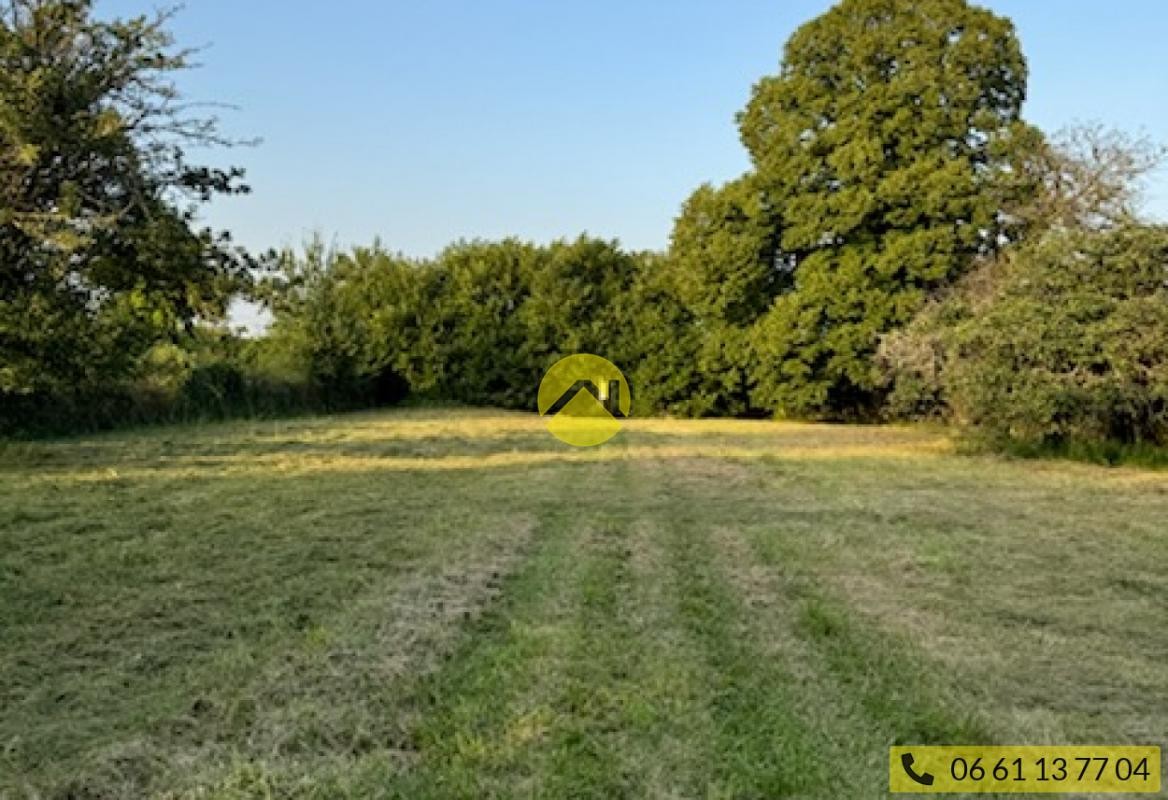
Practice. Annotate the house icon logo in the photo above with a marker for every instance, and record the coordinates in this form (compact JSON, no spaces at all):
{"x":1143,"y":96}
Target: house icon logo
{"x":583,"y":399}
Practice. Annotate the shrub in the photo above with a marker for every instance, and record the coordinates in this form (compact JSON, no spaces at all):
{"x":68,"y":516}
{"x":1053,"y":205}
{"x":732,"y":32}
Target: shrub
{"x":1069,"y":343}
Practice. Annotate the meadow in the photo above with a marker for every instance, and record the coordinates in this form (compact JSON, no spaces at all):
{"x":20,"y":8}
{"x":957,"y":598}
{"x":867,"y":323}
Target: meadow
{"x":427,"y":603}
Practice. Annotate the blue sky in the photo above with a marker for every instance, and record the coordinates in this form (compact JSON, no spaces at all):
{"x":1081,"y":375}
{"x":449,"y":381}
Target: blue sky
{"x":425,"y":122}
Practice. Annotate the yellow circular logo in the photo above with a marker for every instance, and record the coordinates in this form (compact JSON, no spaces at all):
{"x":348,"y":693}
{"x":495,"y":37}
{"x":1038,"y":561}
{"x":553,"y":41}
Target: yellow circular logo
{"x":583,"y":398}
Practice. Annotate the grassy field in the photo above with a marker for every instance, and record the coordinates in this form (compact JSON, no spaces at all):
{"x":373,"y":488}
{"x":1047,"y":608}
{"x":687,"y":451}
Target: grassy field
{"x":453,"y":604}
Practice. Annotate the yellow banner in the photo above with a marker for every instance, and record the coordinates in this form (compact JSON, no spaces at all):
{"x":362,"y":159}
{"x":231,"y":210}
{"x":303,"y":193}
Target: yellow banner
{"x":1025,"y":768}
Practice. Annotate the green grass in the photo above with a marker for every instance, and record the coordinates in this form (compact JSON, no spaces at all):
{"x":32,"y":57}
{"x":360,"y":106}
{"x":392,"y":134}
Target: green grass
{"x":1112,"y":454}
{"x":432,"y":604}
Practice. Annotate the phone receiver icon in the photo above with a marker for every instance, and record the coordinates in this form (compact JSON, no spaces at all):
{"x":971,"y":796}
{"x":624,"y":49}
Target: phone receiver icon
{"x":906,"y":761}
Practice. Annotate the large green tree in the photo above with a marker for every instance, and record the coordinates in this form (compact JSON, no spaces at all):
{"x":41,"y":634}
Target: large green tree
{"x":881,"y":145}
{"x":100,"y":256}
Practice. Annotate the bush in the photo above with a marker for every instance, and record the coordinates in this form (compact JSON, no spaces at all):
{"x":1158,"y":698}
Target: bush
{"x":1065,"y":342}
{"x":480,"y":324}
{"x":212,"y":375}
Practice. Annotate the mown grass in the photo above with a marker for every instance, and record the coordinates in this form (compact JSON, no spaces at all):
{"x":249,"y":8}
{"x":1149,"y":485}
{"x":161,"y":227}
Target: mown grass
{"x":432,"y":604}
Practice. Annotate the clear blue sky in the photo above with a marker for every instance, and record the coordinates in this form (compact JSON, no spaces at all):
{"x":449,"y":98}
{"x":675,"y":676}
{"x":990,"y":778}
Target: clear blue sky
{"x":424,"y":121}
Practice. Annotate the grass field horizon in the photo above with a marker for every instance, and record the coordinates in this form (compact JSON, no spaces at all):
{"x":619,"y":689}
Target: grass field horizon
{"x":451,"y":603}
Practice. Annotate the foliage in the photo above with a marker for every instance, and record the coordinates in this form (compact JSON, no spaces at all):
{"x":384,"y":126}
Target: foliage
{"x":881,"y":146}
{"x":318,"y":334}
{"x":1085,"y":183}
{"x":664,"y":343}
{"x":1064,"y":340}
{"x":481,"y":323}
{"x":204,"y":374}
{"x":723,"y":268}
{"x":893,"y":249}
{"x":99,"y":257}
{"x":724,"y":253}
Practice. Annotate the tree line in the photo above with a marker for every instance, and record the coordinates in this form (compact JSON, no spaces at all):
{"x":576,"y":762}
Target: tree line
{"x":905,"y":245}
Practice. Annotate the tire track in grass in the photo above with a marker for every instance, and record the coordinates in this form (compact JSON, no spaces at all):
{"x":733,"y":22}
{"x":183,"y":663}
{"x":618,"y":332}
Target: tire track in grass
{"x":867,"y":688}
{"x":883,"y":673}
{"x":667,"y":719}
{"x":668,"y":743}
{"x":406,"y":633}
{"x":483,"y":719}
{"x":595,"y":697}
{"x":760,"y":747}
{"x":861,"y":691}
{"x":540,"y":700}
{"x":852,"y":753}
{"x":841,"y":691}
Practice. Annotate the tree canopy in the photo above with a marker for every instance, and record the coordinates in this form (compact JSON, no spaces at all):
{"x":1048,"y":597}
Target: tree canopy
{"x":99,"y":254}
{"x":904,"y":244}
{"x":881,"y":147}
